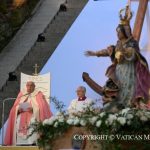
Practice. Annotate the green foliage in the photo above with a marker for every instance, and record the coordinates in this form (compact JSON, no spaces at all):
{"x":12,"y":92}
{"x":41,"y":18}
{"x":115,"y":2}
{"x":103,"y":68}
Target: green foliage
{"x":15,"y":18}
{"x":125,"y":122}
{"x":49,"y":133}
{"x":32,"y":3}
{"x":58,"y":104}
{"x":3,"y":7}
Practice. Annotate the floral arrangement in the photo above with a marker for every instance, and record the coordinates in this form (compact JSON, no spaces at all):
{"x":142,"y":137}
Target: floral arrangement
{"x":128,"y":120}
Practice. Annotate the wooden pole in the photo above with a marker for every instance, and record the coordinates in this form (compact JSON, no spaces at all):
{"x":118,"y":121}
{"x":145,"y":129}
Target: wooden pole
{"x":140,"y":19}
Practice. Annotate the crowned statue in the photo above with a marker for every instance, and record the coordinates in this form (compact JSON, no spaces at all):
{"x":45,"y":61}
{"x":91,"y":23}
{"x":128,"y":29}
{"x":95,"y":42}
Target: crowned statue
{"x":128,"y":81}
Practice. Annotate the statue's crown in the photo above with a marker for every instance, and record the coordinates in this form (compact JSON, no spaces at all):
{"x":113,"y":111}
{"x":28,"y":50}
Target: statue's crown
{"x":125,"y":15}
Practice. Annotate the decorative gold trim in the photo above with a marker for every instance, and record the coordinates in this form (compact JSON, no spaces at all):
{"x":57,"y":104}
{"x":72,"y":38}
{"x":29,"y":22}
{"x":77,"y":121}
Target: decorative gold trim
{"x":125,"y":20}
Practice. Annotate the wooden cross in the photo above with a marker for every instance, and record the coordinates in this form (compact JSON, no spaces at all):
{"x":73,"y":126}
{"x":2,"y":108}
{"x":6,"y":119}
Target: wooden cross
{"x":36,"y":70}
{"x":138,"y":25}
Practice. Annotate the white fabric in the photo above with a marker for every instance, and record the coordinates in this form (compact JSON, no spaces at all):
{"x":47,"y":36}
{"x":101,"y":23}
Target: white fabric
{"x":25,"y":140}
{"x":79,"y":106}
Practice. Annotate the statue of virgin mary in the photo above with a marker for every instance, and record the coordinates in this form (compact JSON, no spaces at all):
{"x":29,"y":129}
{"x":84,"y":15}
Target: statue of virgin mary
{"x":128,"y":81}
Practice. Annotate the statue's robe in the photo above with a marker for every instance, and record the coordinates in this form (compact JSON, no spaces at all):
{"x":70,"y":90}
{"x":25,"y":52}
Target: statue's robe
{"x":17,"y":130}
{"x":139,"y":72}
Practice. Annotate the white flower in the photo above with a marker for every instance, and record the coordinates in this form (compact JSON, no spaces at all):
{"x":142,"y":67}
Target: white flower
{"x":93,"y":119}
{"x":59,"y":113}
{"x":147,"y":114}
{"x":56,"y":124}
{"x":91,"y":108}
{"x":102,"y":114}
{"x":143,"y":118}
{"x":125,"y":111}
{"x":61,"y":119}
{"x":72,"y":112}
{"x":83,"y":122}
{"x":140,"y":113}
{"x":98,"y":123}
{"x":50,"y":121}
{"x":128,"y":122}
{"x":70,"y":121}
{"x":121,"y":120}
{"x":33,"y":120}
{"x":106,"y":122}
{"x":111,"y":119}
{"x":76,"y":121}
{"x":129,"y":116}
{"x":45,"y":122}
{"x":91,"y":103}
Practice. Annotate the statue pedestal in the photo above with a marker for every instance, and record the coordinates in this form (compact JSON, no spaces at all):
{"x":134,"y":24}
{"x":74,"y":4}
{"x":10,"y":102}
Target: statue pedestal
{"x":66,"y":140}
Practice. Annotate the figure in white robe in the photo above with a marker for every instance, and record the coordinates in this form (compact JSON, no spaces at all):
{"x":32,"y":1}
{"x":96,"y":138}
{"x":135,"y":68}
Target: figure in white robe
{"x":81,"y":103}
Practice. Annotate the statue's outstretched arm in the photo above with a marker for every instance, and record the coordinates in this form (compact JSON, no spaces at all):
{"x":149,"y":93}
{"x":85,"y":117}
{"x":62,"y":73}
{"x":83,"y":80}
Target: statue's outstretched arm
{"x":101,"y":53}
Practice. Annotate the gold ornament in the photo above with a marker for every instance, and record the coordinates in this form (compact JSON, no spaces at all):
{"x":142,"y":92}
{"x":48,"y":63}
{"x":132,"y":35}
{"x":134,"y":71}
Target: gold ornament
{"x":119,"y":56}
{"x":125,"y":20}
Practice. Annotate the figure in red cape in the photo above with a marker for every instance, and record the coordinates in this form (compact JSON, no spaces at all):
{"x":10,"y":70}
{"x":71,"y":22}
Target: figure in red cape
{"x":29,"y":106}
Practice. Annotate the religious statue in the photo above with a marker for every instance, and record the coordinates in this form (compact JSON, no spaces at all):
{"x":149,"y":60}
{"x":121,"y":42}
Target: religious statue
{"x":128,"y":81}
{"x":29,"y":106}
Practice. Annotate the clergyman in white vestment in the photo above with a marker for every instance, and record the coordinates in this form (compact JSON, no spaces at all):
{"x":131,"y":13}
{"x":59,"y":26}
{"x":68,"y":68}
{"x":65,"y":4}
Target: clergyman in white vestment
{"x":81,"y":102}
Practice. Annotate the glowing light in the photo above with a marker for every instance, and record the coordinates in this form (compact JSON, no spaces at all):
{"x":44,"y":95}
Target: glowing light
{"x":18,"y":3}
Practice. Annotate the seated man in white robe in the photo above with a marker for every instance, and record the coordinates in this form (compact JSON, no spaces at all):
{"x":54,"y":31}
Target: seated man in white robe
{"x":30,"y":105}
{"x":79,"y":104}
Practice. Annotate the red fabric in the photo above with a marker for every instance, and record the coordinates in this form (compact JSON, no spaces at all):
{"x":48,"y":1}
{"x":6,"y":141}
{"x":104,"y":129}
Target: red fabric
{"x":81,"y":98}
{"x":142,"y":81}
{"x":25,"y":120}
{"x":142,"y":86}
{"x":10,"y":127}
{"x":44,"y":113}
